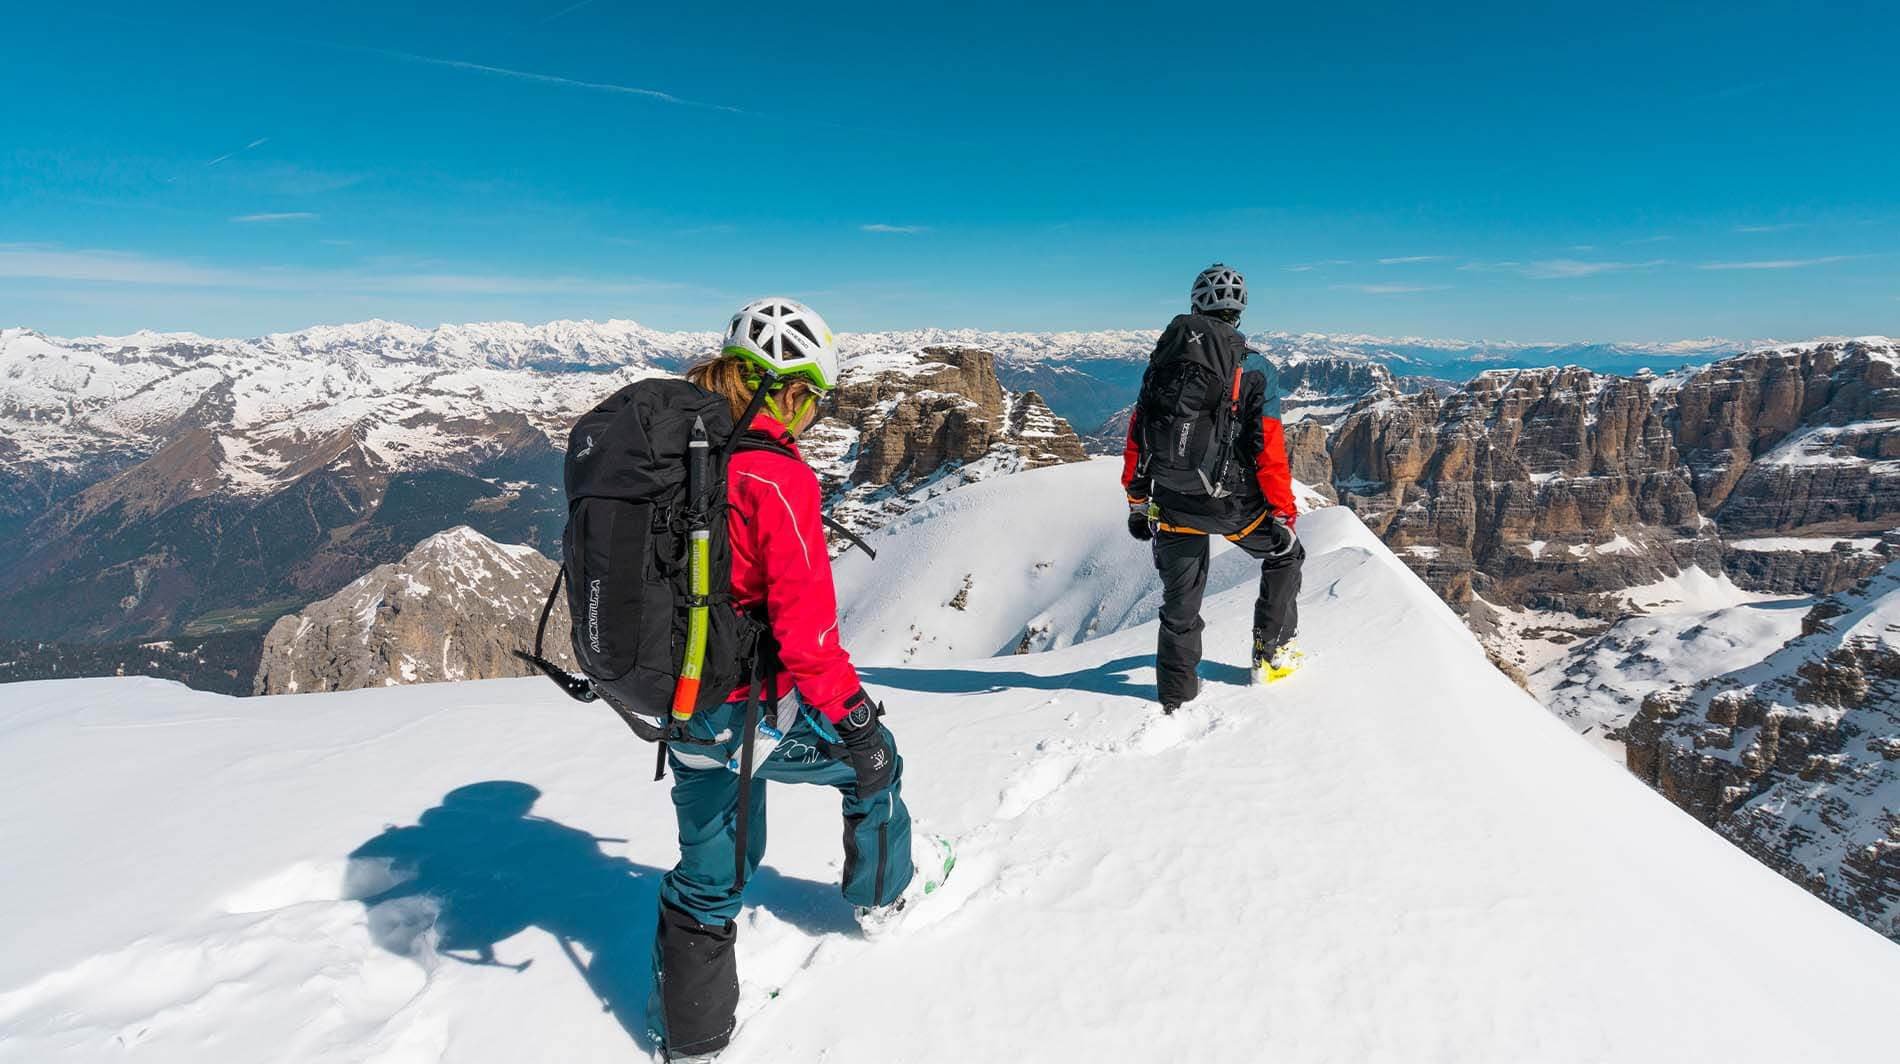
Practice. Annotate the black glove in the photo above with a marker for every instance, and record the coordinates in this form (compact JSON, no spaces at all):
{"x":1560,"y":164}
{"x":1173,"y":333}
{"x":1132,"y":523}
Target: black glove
{"x":1138,"y":524}
{"x":872,"y":756}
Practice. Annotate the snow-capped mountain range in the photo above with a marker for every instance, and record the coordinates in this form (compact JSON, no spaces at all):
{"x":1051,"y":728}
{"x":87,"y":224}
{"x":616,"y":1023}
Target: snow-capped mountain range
{"x":155,"y":444}
{"x":72,"y":405}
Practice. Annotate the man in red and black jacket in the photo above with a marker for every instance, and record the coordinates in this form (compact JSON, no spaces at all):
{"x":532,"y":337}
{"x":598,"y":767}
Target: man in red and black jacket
{"x":1257,"y":513}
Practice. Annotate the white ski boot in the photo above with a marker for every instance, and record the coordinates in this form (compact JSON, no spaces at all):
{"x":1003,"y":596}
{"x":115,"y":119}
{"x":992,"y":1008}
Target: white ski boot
{"x":932,"y":858}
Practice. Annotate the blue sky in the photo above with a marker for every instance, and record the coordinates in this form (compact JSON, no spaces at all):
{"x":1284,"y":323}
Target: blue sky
{"x":1508,"y":171}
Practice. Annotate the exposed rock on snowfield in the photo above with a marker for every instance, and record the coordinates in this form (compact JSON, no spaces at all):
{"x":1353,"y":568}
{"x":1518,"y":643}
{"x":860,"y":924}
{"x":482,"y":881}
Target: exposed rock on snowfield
{"x":1797,"y":758}
{"x":452,"y":609}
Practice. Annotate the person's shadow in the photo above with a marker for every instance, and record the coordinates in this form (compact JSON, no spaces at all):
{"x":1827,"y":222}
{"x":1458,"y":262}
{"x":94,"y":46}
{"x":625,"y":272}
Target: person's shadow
{"x":480,"y":868}
{"x":1109,"y":679}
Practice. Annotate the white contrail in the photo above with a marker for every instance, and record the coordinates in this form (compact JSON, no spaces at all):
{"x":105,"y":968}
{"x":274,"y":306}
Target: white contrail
{"x":551,"y":79}
{"x":239,"y":151}
{"x":568,"y":10}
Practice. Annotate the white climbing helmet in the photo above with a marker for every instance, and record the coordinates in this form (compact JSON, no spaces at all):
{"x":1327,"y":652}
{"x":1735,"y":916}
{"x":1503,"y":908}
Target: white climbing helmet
{"x":1219,"y":287}
{"x":786,"y":337}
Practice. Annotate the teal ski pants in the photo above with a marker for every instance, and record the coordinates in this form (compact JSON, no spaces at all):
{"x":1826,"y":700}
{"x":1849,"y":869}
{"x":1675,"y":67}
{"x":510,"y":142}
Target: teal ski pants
{"x":695,"y":978}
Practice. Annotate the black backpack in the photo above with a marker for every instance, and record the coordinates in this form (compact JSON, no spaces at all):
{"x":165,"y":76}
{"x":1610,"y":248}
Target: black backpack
{"x":627,"y":547}
{"x":1190,"y":407}
{"x":626,"y":559}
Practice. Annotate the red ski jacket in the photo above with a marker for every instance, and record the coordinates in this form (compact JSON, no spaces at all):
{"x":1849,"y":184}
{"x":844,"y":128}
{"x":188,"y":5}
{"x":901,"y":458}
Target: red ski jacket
{"x":780,"y":562}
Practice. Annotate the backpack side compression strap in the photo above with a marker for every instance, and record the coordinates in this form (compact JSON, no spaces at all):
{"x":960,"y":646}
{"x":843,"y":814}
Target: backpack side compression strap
{"x":764,"y":683}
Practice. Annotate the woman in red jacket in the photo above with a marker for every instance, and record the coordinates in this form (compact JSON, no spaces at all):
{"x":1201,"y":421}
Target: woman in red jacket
{"x":824,"y":728}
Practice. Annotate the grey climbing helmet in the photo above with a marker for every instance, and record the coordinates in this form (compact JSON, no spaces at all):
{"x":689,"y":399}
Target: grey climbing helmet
{"x":1220,"y":287}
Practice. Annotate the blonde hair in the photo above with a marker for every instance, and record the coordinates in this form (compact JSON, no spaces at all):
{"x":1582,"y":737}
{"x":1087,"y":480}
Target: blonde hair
{"x":733,"y":377}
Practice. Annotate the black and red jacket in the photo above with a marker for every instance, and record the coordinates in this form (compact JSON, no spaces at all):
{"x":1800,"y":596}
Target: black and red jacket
{"x":1264,"y":444}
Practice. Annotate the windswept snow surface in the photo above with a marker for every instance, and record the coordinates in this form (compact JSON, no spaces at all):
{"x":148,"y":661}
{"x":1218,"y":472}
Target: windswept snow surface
{"x":1393,"y":856}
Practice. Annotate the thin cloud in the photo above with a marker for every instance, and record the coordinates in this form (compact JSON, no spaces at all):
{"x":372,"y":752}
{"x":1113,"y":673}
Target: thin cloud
{"x":277,"y":216}
{"x":43,"y":263}
{"x":1303,"y":267}
{"x":568,"y":10}
{"x":258,"y":143}
{"x":40,"y":262}
{"x":1657,"y":239}
{"x":1563,"y":269}
{"x":1778,"y":227}
{"x":1775,"y":264}
{"x":902,"y":230}
{"x":1389,"y":289}
{"x":1491,"y":267}
{"x":1399,"y":260}
{"x":552,"y":79}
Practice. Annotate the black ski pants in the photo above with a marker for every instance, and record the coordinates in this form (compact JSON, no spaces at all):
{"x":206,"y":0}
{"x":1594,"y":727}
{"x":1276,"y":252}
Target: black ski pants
{"x":1182,"y":560}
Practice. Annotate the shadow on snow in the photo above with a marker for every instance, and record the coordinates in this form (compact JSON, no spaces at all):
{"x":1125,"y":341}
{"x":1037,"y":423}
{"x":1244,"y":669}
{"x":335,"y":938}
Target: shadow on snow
{"x":480,"y":868}
{"x":1108,"y":679}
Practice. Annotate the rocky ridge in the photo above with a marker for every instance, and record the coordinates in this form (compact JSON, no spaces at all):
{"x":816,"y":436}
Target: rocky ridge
{"x":1797,"y":758}
{"x":454,"y":608}
{"x":899,"y":432}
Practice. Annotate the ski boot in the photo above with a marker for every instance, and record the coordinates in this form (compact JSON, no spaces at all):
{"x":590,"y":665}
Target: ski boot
{"x":1168,"y":708}
{"x":932,"y":858}
{"x":1273,"y":664}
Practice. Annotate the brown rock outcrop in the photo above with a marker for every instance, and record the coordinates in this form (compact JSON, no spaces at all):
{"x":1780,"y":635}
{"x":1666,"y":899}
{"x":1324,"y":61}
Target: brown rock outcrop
{"x":896,"y":432}
{"x":1306,"y":452}
{"x":949,"y":407}
{"x":452,"y":609}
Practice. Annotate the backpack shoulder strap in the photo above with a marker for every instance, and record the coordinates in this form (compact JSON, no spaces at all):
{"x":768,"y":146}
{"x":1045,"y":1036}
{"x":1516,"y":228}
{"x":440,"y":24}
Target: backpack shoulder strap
{"x":759,"y":441}
{"x":754,"y":440}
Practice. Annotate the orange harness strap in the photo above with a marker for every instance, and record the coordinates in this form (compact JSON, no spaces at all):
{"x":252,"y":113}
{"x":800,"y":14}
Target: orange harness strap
{"x":1234,"y":537}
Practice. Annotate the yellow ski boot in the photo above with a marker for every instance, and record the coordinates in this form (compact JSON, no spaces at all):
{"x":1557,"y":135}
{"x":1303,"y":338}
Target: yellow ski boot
{"x":1276,"y":664}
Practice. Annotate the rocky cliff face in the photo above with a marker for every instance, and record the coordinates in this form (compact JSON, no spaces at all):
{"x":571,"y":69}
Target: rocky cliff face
{"x":452,"y":609}
{"x":1797,"y":758}
{"x":1555,"y":485}
{"x":1806,"y":437}
{"x":899,"y":430}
